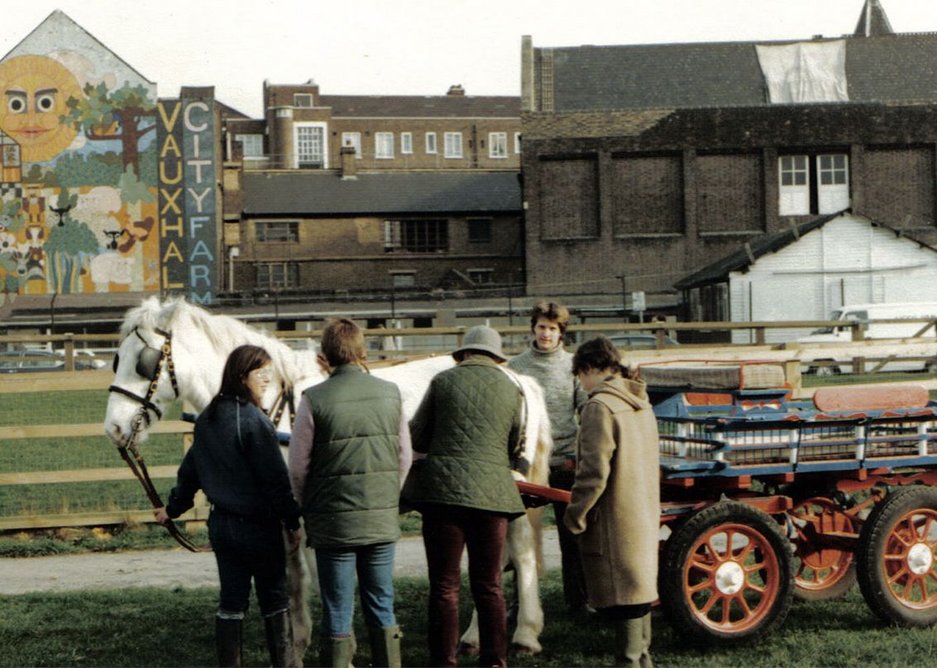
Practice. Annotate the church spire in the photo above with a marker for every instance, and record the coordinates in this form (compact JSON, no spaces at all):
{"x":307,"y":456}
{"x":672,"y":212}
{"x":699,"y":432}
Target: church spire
{"x":872,"y":21}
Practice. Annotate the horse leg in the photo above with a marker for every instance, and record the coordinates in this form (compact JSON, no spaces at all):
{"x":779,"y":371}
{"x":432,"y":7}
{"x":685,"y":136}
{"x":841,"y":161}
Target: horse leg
{"x":299,"y":583}
{"x":522,"y":548}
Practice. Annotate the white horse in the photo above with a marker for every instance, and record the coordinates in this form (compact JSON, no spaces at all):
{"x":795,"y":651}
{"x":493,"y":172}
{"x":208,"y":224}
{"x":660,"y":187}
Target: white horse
{"x":176,"y":351}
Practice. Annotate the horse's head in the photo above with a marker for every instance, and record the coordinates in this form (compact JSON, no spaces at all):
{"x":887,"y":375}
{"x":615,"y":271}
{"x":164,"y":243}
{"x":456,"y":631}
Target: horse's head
{"x":145,"y":380}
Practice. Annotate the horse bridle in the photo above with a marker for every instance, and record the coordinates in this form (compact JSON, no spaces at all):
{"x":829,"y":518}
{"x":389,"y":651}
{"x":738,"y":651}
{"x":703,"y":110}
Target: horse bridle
{"x":150,"y":364}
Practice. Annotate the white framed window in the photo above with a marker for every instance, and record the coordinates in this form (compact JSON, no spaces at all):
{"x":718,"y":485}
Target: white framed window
{"x":403,"y":279}
{"x":302,"y":100}
{"x":453,"y":144}
{"x":517,"y":142}
{"x":416,"y":236}
{"x":479,"y":230}
{"x":406,"y":143}
{"x":481,"y":276}
{"x":813,"y":184}
{"x":310,"y":145}
{"x":497,"y":144}
{"x":277,"y":230}
{"x":252,"y":146}
{"x":833,"y":183}
{"x":794,"y":193}
{"x":352,"y":139}
{"x":383,"y":145}
{"x":277,"y":274}
{"x":431,"y":142}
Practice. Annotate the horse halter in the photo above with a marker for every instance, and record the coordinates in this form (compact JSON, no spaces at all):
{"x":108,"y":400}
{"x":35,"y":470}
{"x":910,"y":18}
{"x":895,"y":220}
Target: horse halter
{"x":150,"y":363}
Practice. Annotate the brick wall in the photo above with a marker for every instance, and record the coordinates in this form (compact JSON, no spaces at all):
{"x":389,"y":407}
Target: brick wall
{"x":899,"y":185}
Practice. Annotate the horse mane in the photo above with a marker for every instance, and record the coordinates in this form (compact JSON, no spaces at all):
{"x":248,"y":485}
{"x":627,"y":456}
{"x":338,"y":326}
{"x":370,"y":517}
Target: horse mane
{"x":222,"y":331}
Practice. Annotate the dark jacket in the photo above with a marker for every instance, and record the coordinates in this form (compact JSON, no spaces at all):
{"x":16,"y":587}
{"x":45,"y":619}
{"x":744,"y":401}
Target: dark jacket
{"x":235,"y":458}
{"x":468,"y":426}
{"x":352,"y":489}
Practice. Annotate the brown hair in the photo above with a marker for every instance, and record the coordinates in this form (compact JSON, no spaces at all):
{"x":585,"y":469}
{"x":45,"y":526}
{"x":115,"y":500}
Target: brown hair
{"x":241,"y":362}
{"x":342,"y":342}
{"x":550,"y":311}
{"x":598,"y":353}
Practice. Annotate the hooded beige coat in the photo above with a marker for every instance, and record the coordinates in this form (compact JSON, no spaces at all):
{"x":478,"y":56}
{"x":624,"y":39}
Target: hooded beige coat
{"x":615,"y":506}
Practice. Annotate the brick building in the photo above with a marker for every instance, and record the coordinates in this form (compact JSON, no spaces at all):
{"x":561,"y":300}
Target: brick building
{"x":647,"y":162}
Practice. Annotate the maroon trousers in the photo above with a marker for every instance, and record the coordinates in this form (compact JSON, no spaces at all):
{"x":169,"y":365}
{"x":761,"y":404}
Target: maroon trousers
{"x":447,"y":530}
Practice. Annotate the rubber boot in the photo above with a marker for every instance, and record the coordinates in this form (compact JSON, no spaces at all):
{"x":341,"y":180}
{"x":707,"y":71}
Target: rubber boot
{"x":228,"y":642}
{"x":336,"y":652}
{"x":279,"y":633}
{"x":633,"y":642}
{"x":385,"y":646}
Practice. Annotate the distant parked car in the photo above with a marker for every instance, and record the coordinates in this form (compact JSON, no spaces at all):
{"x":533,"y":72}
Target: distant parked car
{"x":24,"y":361}
{"x":84,"y":359}
{"x":639,"y":341}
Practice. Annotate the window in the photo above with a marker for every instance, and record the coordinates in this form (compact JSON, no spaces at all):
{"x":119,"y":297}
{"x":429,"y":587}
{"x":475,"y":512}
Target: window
{"x":431,"y":142}
{"x":416,"y":236}
{"x":352,"y":139}
{"x":302,"y":100}
{"x":406,"y":143}
{"x":251,"y":145}
{"x":277,"y":275}
{"x":803,"y":191}
{"x":384,"y":145}
{"x":517,"y":142}
{"x":277,"y":230}
{"x":481,"y":276}
{"x":310,"y":145}
{"x":479,"y":230}
{"x":453,"y":146}
{"x":403,"y":279}
{"x":497,"y":144}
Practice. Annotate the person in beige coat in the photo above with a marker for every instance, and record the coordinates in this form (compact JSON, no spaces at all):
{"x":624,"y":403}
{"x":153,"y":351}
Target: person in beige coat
{"x":615,"y":505}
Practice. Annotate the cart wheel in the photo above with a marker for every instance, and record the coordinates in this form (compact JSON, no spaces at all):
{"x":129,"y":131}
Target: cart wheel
{"x":726,"y":574}
{"x":897,"y":557}
{"x":821,"y":573}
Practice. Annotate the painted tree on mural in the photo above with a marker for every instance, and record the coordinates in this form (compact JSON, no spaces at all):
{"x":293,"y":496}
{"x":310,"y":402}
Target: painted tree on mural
{"x":126,"y":114}
{"x":68,"y":249}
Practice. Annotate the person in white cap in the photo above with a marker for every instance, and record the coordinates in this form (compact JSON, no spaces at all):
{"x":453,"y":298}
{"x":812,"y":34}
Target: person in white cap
{"x":468,"y":428}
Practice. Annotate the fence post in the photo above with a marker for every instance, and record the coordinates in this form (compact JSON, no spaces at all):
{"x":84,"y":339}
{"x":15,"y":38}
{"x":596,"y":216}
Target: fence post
{"x":69,"y":352}
{"x":793,"y":377}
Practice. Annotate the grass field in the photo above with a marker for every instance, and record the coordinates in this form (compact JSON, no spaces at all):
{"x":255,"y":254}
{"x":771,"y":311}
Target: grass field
{"x":151,"y":627}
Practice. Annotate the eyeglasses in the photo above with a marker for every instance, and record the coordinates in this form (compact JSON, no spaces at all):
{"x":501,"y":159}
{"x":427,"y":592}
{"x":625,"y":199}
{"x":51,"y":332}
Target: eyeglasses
{"x":265,"y":373}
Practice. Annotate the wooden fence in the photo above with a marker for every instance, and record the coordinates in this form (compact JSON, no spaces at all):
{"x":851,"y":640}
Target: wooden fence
{"x":792,"y":356}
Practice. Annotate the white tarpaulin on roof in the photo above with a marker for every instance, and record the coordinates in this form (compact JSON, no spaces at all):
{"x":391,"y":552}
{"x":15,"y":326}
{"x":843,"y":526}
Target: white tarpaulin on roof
{"x":805,"y":72}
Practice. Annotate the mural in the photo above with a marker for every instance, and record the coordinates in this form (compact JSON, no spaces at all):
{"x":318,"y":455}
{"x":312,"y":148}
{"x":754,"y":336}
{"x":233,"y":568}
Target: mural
{"x":79,"y":189}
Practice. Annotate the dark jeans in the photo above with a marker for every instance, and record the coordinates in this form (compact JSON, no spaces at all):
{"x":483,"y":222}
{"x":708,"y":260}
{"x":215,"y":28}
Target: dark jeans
{"x":574,"y":580}
{"x":447,"y":530}
{"x":248,"y":549}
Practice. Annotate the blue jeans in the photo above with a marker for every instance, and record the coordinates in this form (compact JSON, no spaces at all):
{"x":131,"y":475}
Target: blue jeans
{"x":247,"y":549}
{"x":374,"y":565}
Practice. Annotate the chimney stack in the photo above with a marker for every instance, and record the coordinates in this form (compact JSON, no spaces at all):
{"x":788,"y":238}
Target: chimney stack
{"x":347,"y":159}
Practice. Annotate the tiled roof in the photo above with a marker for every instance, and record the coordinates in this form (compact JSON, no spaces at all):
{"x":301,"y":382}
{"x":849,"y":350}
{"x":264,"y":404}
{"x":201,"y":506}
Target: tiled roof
{"x":768,"y":243}
{"x":886,"y":68}
{"x":873,"y":21}
{"x":417,"y":106}
{"x":324,"y":193}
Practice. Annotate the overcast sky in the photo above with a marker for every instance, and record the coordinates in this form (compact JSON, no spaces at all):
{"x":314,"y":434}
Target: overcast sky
{"x":412,"y":47}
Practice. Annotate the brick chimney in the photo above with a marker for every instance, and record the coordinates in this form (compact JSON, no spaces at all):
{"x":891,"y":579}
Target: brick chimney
{"x":347,"y":159}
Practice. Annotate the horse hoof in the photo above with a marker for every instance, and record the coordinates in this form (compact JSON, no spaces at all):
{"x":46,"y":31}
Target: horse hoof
{"x":468,"y":650}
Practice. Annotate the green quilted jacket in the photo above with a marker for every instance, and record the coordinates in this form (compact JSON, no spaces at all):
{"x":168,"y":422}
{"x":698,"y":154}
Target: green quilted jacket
{"x":353,"y":485}
{"x":468,"y":426}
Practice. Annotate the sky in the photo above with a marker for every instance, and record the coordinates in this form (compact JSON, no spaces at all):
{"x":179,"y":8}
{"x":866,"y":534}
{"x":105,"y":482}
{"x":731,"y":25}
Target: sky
{"x":412,"y":47}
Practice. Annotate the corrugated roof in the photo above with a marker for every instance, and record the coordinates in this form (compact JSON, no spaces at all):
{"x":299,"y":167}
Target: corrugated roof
{"x":879,"y":68}
{"x":324,"y":193}
{"x":428,"y":106}
{"x":746,"y":256}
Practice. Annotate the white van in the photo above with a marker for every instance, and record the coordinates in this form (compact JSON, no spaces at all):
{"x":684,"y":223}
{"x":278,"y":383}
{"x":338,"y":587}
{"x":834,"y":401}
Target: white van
{"x":864,"y":313}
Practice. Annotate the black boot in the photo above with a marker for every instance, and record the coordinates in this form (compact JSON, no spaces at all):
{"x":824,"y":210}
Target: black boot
{"x":228,"y":642}
{"x":279,"y":633}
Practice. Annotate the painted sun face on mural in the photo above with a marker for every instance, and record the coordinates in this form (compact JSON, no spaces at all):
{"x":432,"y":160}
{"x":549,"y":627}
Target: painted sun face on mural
{"x":34,"y":92}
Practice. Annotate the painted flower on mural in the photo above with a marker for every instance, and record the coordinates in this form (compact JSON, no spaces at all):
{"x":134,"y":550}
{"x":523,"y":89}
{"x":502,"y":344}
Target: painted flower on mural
{"x":36,"y":90}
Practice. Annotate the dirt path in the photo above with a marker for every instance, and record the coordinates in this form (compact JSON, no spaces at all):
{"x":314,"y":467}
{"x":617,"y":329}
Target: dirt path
{"x":169,"y":568}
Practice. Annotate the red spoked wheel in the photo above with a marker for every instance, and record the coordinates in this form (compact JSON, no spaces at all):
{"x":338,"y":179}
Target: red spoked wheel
{"x":897,"y":557}
{"x":821,"y":572}
{"x":726,"y":574}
